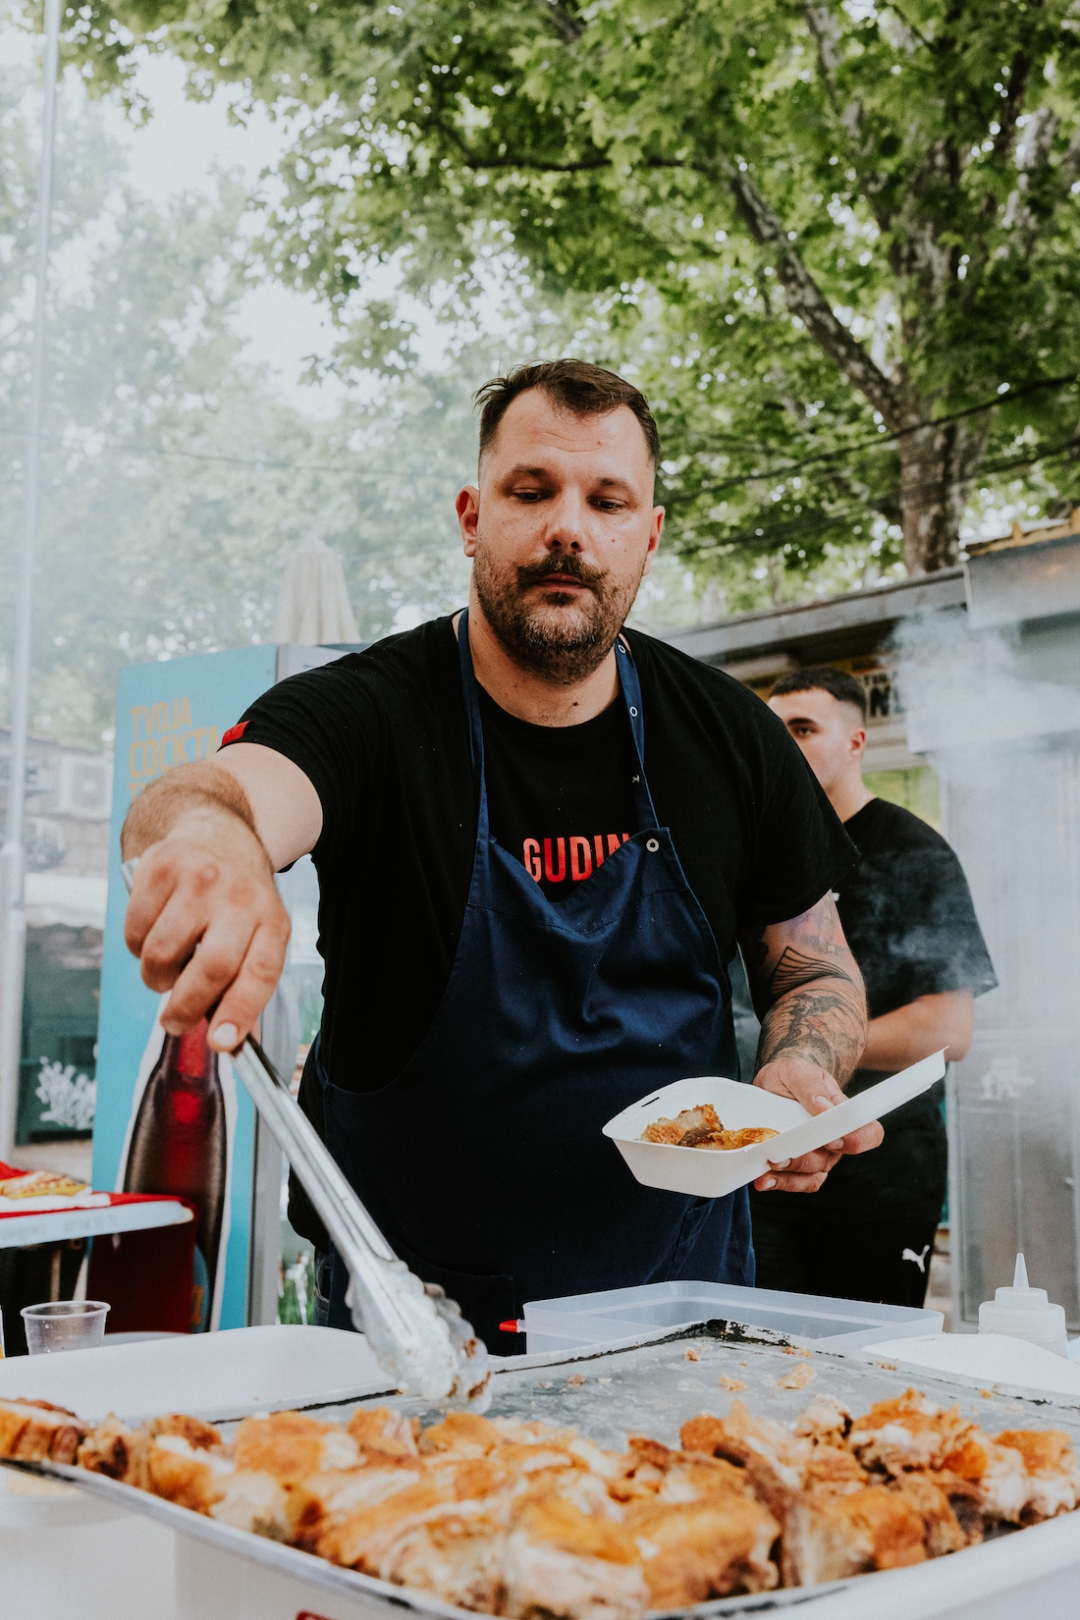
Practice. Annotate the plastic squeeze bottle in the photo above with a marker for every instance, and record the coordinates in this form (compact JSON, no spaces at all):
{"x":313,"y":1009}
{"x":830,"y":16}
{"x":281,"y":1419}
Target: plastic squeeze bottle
{"x":1021,"y":1312}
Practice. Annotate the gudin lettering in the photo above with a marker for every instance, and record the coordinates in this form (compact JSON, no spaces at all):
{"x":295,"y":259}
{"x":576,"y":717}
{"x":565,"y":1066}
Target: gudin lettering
{"x":546,"y":859}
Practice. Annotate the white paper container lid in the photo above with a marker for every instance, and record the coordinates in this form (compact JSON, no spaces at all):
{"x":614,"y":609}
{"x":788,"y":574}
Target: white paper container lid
{"x":712,"y":1174}
{"x":985,"y":1359}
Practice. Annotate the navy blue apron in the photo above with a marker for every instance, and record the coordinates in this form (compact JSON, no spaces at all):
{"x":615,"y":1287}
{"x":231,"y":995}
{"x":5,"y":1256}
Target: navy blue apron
{"x":483,"y":1161}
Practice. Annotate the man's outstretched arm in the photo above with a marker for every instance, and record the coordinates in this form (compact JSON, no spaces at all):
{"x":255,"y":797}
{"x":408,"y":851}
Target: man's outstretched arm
{"x":209,"y":838}
{"x":808,"y":992}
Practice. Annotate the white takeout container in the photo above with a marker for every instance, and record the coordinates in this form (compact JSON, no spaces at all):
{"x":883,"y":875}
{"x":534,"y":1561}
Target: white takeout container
{"x":712,"y":1173}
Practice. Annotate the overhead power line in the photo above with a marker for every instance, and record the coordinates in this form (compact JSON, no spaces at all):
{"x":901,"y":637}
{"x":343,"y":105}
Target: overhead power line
{"x":883,"y":440}
{"x":839,"y":453}
{"x":260,"y":463}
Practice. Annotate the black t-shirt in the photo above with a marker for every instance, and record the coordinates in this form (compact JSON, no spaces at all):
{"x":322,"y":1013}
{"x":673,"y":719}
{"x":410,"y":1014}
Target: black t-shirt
{"x":382,"y":736}
{"x":908,"y":917}
{"x":560,"y":798}
{"x":907,"y":912}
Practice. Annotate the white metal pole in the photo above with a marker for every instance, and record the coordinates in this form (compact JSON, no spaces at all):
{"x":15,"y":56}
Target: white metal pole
{"x":12,"y":855}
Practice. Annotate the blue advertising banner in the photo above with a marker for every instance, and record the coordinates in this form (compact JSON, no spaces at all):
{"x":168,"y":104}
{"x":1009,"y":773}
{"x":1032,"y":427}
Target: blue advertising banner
{"x":167,"y":715}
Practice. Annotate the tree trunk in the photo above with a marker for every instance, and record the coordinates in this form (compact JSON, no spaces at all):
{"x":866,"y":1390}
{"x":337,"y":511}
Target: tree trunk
{"x":937,"y":465}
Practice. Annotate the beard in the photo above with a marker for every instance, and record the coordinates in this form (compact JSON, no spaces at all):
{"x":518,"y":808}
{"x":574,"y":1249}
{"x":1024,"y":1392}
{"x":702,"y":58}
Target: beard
{"x":563,"y":638}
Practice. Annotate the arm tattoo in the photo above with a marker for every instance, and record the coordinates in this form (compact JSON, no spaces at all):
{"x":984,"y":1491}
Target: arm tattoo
{"x":795,"y":970}
{"x":808,"y":992}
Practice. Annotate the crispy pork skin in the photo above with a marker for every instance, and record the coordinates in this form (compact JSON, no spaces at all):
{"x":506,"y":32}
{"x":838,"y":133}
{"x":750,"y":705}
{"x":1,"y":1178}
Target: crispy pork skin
{"x":699,"y":1550}
{"x":1053,"y":1477}
{"x":191,"y":1476}
{"x":561,"y":1562}
{"x":109,"y":1449}
{"x":826,"y":1421}
{"x":909,"y":1431}
{"x":379,"y":1429}
{"x":929,"y":1495}
{"x":258,"y":1503}
{"x":37,"y":1431}
{"x":291,"y":1445}
{"x":458,"y":1553}
{"x":529,"y":1522}
{"x":999,"y":1473}
{"x":326,"y":1499}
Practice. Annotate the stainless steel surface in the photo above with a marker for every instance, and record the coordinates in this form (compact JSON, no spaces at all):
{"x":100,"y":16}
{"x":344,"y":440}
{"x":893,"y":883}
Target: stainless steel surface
{"x":744,"y":635}
{"x":1026,"y":582}
{"x":652,"y":1389}
{"x":264,"y":1263}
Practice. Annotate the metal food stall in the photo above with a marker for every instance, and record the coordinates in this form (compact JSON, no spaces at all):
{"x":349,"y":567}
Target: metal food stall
{"x":973,"y":679}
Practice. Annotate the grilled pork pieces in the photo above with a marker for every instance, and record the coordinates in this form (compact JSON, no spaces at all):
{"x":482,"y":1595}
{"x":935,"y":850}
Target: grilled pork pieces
{"x":513,"y":1518}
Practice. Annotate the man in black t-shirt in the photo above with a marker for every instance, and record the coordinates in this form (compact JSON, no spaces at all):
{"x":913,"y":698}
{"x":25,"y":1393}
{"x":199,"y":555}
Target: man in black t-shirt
{"x":537,"y":839}
{"x":908,"y":917}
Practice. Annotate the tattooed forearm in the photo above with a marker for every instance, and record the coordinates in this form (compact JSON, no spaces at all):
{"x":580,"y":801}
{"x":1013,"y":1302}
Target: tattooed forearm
{"x":824,"y":1027}
{"x":808,"y":992}
{"x":796,"y":969}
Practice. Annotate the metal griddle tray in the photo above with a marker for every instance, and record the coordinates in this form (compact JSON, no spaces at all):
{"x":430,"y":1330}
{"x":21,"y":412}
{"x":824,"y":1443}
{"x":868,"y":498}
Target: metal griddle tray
{"x":652,"y":1389}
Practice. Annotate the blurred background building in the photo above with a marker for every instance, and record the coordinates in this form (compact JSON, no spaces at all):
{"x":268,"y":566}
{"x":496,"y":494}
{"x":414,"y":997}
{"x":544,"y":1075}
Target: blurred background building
{"x":69,"y":793}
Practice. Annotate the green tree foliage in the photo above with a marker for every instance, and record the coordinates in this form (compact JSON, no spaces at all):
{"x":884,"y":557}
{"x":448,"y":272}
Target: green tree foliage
{"x":838,"y":241}
{"x":175,"y":483}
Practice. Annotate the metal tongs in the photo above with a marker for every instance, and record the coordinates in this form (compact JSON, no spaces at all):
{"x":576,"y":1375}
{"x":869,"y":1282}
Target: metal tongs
{"x":419,"y":1336}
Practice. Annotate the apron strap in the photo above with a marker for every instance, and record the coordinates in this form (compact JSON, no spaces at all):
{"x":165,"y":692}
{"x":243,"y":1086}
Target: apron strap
{"x":629,"y":686}
{"x":475,"y":725}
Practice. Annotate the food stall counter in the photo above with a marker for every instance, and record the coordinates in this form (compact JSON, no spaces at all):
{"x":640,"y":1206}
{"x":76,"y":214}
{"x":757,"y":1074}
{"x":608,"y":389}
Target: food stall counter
{"x":605,"y":1393}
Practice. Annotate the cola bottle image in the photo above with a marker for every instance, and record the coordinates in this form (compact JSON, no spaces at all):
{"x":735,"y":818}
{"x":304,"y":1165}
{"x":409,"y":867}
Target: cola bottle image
{"x":179,"y":1146}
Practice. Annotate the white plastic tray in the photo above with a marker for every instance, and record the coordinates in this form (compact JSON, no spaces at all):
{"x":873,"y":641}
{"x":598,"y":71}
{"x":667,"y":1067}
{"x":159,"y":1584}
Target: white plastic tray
{"x":712,"y":1174}
{"x":801,"y":1319}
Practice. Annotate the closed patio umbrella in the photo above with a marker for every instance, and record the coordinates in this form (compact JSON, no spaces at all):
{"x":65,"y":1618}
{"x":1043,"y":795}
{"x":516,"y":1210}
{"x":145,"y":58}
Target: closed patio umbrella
{"x":314,"y":608}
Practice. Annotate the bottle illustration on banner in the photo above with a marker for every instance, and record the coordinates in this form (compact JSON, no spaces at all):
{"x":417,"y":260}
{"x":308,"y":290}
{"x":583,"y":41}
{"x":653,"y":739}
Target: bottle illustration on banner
{"x":179,"y":1145}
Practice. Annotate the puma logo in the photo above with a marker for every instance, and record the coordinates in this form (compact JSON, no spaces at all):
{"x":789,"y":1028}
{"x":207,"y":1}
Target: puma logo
{"x":919,"y":1259}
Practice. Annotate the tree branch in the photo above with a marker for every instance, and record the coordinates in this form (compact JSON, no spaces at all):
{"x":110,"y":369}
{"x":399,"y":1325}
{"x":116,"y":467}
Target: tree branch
{"x":1019,"y":75}
{"x":568,"y":27}
{"x":909,"y":26}
{"x":806,"y":300}
{"x":803,"y":296}
{"x":823,"y":25}
{"x":1032,"y":152}
{"x":515,"y":160}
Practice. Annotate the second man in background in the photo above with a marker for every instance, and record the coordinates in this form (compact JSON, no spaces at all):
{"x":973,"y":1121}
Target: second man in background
{"x":907,"y":915}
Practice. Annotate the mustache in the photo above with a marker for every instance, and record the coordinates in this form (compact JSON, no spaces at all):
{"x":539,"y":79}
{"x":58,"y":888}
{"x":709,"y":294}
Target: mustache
{"x":535,"y":573}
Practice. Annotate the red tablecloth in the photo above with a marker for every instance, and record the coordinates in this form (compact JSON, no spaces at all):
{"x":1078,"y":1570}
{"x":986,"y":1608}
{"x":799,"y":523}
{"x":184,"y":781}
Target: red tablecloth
{"x":10,"y":1172}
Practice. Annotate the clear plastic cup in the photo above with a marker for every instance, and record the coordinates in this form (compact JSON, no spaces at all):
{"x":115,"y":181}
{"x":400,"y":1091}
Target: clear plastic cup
{"x":66,"y":1324}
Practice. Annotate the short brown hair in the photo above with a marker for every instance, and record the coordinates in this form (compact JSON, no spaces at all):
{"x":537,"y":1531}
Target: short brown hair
{"x":823,"y":678}
{"x":573,"y":385}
